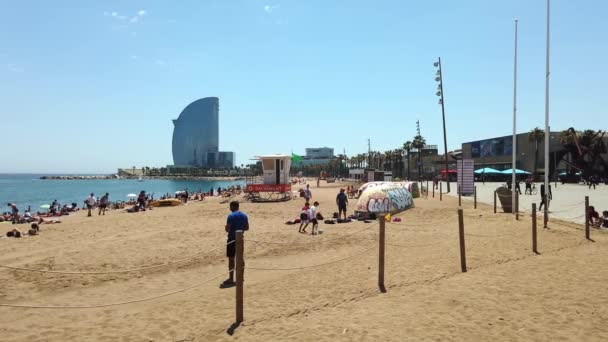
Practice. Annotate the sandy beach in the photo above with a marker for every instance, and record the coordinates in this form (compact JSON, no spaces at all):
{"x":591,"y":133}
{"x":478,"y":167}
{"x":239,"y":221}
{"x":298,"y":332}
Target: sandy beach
{"x":154,"y":276}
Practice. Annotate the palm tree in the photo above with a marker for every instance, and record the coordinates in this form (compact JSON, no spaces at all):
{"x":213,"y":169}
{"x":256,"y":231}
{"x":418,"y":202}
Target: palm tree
{"x":536,"y":135}
{"x":407,"y":147}
{"x":418,"y":143}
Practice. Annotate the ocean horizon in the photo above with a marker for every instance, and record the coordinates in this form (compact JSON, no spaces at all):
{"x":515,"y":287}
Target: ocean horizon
{"x":27,"y":189}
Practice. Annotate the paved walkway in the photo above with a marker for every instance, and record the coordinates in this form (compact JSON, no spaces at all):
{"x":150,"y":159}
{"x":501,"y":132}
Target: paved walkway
{"x":568,"y":199}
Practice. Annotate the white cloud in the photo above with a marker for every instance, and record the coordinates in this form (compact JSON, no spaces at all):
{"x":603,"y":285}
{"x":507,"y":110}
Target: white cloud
{"x":141,"y":13}
{"x":114,"y":14}
{"x":14,"y":67}
{"x":134,"y":20}
{"x":270,"y":8}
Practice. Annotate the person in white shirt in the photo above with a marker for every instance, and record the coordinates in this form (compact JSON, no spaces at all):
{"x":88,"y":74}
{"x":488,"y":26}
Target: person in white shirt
{"x":90,"y":202}
{"x":312,"y":214}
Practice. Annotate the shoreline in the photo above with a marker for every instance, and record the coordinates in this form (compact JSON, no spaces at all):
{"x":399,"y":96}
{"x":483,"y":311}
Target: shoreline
{"x":109,"y":177}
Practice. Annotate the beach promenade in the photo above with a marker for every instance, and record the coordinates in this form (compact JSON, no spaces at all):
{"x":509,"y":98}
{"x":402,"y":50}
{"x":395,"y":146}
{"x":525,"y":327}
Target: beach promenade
{"x":568,"y":199}
{"x":155,"y":275}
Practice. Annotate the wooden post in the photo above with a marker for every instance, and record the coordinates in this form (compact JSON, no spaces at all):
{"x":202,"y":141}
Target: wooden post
{"x":517,"y":205}
{"x":475,"y":197}
{"x":546,"y":213}
{"x":381,"y":254}
{"x":587,"y":233}
{"x":459,"y":197}
{"x":534,"y":241}
{"x":494,"y":201}
{"x":240,"y":271}
{"x":433,"y":190}
{"x":440,"y":191}
{"x":427,"y":188}
{"x":463,"y":257}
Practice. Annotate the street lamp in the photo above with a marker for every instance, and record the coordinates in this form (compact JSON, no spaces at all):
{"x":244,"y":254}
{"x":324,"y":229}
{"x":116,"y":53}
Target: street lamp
{"x":439,"y":80}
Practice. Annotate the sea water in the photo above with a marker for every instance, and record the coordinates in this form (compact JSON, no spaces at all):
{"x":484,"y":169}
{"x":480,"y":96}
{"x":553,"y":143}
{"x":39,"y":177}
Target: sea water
{"x":29,"y":190}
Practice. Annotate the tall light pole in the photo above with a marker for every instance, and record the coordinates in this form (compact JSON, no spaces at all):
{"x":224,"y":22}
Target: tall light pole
{"x":547,"y":133}
{"x":514,"y":157}
{"x":439,"y":93}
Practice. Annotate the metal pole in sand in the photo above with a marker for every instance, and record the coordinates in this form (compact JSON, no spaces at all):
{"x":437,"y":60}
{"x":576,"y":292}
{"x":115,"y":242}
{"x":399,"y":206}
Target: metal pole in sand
{"x":494,"y":201}
{"x":534,"y":238}
{"x":440,"y":192}
{"x":381,"y":254}
{"x":240,"y":270}
{"x":517,"y":205}
{"x":463,"y":257}
{"x":587,"y":233}
{"x":475,"y":197}
{"x":546,"y":212}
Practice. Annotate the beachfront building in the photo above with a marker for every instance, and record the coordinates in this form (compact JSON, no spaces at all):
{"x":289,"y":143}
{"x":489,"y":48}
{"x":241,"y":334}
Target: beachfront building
{"x":196,"y":136}
{"x":497,"y":153}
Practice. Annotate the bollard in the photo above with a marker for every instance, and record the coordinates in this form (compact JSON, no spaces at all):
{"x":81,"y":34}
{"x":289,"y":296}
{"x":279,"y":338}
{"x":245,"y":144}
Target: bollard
{"x":381,"y":254}
{"x":517,"y":206}
{"x":463,"y":258}
{"x":475,"y":197}
{"x":459,"y":197}
{"x":546,"y":213}
{"x":440,"y":191}
{"x":534,"y":246}
{"x":494,"y":201}
{"x":587,"y":233}
{"x":240,"y":272}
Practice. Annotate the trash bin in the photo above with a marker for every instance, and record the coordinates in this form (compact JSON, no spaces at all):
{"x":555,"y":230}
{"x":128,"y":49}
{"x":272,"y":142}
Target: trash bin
{"x":505,"y":198}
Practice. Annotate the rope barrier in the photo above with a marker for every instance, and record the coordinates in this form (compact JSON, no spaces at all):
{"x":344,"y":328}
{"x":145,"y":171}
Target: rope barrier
{"x":424,"y":224}
{"x":310,"y":266}
{"x":93,"y":306}
{"x":425,"y":245}
{"x":25,"y":269}
{"x":309,"y":242}
{"x":497,"y":235}
{"x":570,"y":218}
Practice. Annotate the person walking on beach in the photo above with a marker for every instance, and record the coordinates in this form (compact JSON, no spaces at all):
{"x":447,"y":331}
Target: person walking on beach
{"x":103,"y":204}
{"x":313,"y":212}
{"x":14,"y":212}
{"x":307,"y":194}
{"x":141,"y":200}
{"x":342,"y":201}
{"x":90,"y":202}
{"x":304,"y":218}
{"x":236,"y":221}
{"x":542,"y":197}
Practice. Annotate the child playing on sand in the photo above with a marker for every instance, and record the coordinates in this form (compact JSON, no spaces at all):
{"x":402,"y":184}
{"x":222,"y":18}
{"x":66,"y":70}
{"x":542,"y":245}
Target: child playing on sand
{"x":304,"y":218}
{"x":312,"y":213}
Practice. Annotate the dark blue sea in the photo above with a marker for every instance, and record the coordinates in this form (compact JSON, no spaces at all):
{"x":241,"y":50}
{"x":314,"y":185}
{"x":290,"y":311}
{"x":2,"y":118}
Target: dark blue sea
{"x":29,"y":190}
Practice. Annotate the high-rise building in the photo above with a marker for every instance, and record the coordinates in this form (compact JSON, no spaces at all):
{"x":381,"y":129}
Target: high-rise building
{"x":196,"y":136}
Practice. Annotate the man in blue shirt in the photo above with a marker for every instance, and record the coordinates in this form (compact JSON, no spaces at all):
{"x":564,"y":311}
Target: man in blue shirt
{"x":236,"y":221}
{"x":342,"y":201}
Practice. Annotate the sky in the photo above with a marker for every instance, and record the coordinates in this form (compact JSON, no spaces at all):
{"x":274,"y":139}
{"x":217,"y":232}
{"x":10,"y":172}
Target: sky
{"x":91,"y":86}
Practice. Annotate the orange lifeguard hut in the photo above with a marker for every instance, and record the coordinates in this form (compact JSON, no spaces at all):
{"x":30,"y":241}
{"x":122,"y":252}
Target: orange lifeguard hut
{"x":276,"y":186}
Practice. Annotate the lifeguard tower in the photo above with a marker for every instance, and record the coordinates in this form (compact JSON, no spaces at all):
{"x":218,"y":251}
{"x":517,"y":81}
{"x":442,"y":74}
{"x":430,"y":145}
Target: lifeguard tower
{"x":276,"y":186}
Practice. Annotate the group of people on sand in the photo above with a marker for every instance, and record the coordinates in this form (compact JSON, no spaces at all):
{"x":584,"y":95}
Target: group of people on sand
{"x":597,"y":221}
{"x":15,"y":217}
{"x":35,"y":220}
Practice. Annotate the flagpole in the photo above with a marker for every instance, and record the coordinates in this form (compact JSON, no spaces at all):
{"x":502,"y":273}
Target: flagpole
{"x":547,"y":132}
{"x":514,"y":157}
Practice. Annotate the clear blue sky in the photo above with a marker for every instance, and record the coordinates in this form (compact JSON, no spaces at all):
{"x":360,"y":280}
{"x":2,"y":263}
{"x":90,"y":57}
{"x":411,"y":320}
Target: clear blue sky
{"x":89,"y":86}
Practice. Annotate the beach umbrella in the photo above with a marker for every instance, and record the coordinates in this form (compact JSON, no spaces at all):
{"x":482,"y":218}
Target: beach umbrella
{"x":131,"y":195}
{"x":391,"y":197}
{"x":486,"y":170}
{"x":517,"y":172}
{"x":180,"y":192}
{"x":45,"y":206}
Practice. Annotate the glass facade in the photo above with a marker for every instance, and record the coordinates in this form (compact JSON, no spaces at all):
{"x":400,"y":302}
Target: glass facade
{"x":196,"y":136}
